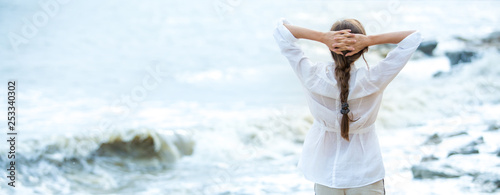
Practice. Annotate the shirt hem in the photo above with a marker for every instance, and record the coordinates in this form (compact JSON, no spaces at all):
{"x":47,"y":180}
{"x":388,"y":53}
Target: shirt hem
{"x":347,"y":187}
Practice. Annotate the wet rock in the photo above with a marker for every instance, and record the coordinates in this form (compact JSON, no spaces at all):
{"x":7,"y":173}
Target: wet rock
{"x":429,"y":158}
{"x":427,"y":47}
{"x":460,"y":38}
{"x":429,"y":172}
{"x":470,"y":148}
{"x":478,"y":141}
{"x":433,"y":140}
{"x":456,"y":134}
{"x":493,"y":127}
{"x":438,"y":74}
{"x":497,"y":153}
{"x":489,"y":182}
{"x":457,"y":57}
{"x":493,"y":37}
{"x":465,"y":150}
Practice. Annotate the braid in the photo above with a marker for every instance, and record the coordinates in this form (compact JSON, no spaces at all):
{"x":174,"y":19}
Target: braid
{"x":343,"y":75}
{"x":343,"y":71}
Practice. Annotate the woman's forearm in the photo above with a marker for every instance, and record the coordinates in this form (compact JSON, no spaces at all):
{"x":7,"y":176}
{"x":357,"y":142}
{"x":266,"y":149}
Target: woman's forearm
{"x":304,"y":33}
{"x":341,"y":39}
{"x":338,"y":41}
{"x":363,"y":41}
{"x":392,"y":37}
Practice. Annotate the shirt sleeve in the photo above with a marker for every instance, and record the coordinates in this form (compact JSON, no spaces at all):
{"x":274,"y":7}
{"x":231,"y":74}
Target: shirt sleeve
{"x":382,"y":74}
{"x":302,"y":66}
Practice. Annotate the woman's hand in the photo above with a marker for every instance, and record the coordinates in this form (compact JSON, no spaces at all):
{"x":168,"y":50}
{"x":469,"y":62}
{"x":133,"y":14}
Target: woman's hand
{"x":361,"y":42}
{"x":338,"y":41}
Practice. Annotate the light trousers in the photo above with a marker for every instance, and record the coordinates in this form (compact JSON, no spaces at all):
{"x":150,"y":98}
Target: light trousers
{"x":376,"y":188}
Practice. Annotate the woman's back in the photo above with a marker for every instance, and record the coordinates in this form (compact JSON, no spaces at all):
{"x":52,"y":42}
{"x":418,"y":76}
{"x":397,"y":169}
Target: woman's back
{"x":329,"y":159}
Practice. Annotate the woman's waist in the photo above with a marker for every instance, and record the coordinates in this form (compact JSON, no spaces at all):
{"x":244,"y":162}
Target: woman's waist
{"x":354,"y":127}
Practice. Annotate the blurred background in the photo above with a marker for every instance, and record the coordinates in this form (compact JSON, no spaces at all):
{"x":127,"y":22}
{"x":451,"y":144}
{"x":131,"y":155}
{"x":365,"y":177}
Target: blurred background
{"x":194,"y":97}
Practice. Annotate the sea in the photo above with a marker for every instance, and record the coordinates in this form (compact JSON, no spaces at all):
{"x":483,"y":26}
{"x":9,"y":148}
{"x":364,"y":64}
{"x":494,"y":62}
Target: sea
{"x":194,"y":97}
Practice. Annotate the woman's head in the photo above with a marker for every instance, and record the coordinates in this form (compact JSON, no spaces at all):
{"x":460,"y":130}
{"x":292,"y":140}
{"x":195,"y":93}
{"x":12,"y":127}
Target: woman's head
{"x":356,"y":28}
{"x":342,"y":71}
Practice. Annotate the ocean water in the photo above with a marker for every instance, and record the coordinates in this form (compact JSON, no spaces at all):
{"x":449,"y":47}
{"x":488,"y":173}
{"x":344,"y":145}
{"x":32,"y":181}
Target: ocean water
{"x":193,"y":97}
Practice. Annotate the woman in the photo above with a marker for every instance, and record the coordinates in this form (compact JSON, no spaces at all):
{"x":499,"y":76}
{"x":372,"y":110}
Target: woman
{"x":341,"y":153}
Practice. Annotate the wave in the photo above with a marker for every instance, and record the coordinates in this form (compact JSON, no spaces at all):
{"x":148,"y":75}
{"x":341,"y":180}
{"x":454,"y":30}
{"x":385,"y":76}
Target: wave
{"x":97,"y":160}
{"x":458,"y":92}
{"x":134,"y":146}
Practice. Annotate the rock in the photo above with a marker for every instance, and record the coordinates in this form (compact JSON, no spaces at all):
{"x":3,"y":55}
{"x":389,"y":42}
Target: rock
{"x":460,"y":38}
{"x":438,"y":74}
{"x":493,"y":37}
{"x":457,"y":57}
{"x":433,"y":140}
{"x":429,"y":158}
{"x":470,"y":148}
{"x":465,"y":150}
{"x":473,"y":164}
{"x":478,"y":141}
{"x":428,"y":47}
{"x":453,"y":134}
{"x":493,"y":127}
{"x":429,"y":172}
{"x":489,"y":182}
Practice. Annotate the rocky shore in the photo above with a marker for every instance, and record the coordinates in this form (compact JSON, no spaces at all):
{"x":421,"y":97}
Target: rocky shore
{"x":470,"y":51}
{"x":469,"y":150}
{"x":474,"y":153}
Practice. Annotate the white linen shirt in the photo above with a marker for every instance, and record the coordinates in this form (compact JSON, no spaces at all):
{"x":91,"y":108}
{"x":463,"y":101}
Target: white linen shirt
{"x":327,"y":158}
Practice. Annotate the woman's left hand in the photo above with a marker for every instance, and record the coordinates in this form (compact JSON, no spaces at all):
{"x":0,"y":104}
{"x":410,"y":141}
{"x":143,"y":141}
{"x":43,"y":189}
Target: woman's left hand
{"x":338,"y":41}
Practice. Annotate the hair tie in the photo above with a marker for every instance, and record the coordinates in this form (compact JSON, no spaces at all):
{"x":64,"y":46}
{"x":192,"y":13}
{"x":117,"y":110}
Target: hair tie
{"x":345,"y":108}
{"x":344,"y":111}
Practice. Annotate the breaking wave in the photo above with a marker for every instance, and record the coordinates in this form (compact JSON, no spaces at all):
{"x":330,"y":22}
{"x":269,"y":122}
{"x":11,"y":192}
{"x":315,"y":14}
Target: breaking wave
{"x":98,"y":160}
